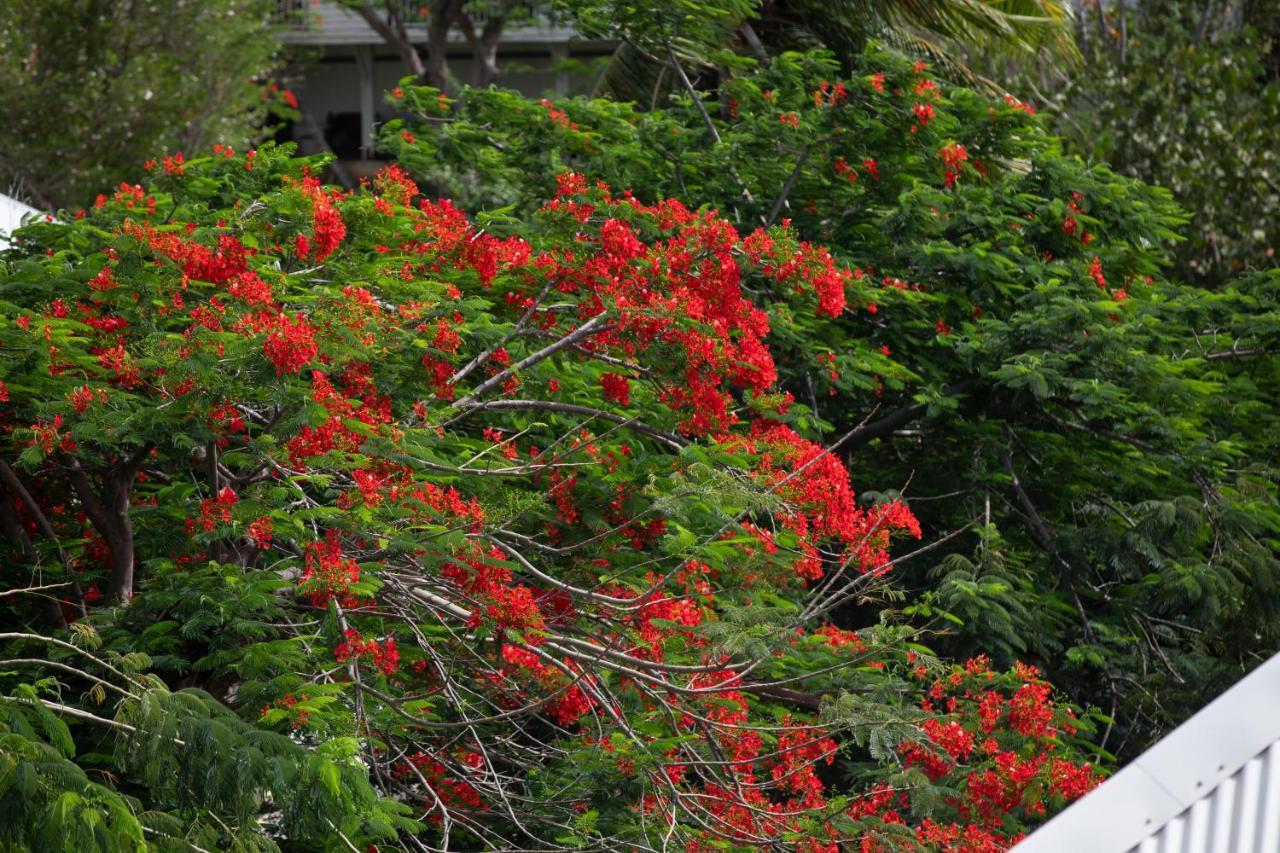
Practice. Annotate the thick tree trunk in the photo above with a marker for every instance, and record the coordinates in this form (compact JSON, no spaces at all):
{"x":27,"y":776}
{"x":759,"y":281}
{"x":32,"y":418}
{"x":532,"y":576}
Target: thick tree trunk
{"x":437,"y":74}
{"x":392,"y":32}
{"x":444,"y":15}
{"x":484,"y":46}
{"x":109,"y":513}
{"x":120,"y":586}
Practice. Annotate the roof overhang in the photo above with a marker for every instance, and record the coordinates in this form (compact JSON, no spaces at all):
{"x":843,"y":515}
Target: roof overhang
{"x":12,"y":212}
{"x":1185,"y":768}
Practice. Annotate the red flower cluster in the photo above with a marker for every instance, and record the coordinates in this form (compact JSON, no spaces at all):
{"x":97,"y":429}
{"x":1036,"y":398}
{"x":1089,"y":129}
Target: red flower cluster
{"x":328,"y":229}
{"x":815,"y":485}
{"x":652,"y":294}
{"x":568,"y":702}
{"x":291,"y":344}
{"x":328,"y":573}
{"x":982,"y":741}
{"x":1015,"y":104}
{"x":395,"y":184}
{"x":48,"y":435}
{"x":452,"y":791}
{"x":953,"y":156}
{"x":384,"y":655}
{"x":485,"y":577}
{"x":197,"y":261}
{"x":803,"y":265}
{"x":218,"y":510}
{"x":81,"y":399}
{"x":444,"y":232}
{"x":1095,"y":272}
{"x":557,"y":116}
{"x":829,"y":95}
{"x":260,"y":532}
{"x":616,"y":388}
{"x":667,"y":293}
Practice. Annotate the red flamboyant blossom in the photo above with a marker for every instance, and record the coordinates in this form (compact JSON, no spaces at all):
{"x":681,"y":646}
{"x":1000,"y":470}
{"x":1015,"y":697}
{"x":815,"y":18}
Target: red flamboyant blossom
{"x":821,"y":503}
{"x":384,"y":655}
{"x":478,"y":562}
{"x":953,"y":156}
{"x":616,"y":388}
{"x":328,"y":573}
{"x":328,"y":229}
{"x":1095,"y":272}
{"x":217,"y":510}
{"x":291,"y":343}
{"x":1021,"y":106}
{"x":260,"y":532}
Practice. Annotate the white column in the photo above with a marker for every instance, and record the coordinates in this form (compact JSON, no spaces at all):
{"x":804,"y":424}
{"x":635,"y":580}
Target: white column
{"x":364,"y":65}
{"x":559,"y":52}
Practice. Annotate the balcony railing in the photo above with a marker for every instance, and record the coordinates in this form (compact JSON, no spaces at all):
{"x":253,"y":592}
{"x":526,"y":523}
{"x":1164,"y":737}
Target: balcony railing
{"x":321,"y":22}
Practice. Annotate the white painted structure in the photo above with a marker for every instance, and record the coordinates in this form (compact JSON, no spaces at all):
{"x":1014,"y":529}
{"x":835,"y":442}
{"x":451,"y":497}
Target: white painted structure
{"x":1211,"y":786}
{"x":326,"y":23}
{"x":12,"y":212}
{"x":355,"y":67}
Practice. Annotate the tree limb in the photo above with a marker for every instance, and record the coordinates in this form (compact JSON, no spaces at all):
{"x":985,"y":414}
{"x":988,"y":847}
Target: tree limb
{"x":394,"y":37}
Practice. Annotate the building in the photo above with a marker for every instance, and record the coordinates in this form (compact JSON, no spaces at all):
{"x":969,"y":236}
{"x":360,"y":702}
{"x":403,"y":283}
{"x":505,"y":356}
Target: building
{"x":1211,"y":786}
{"x":12,"y":213}
{"x":349,"y":67}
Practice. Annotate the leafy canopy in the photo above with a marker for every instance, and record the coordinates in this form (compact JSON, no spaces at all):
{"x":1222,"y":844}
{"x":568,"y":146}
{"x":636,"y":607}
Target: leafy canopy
{"x":1092,"y":438}
{"x":93,"y":88}
{"x":367,"y":521}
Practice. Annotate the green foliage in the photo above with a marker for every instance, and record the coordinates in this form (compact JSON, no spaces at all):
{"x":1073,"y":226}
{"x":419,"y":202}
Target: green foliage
{"x":674,"y":47}
{"x":362,"y":523}
{"x":332,"y":520}
{"x":48,"y":799}
{"x":95,"y":87}
{"x":185,"y":773}
{"x":1185,"y":95}
{"x":1015,"y":358}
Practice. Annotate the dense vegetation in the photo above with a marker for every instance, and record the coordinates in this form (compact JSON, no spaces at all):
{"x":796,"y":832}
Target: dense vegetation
{"x":810,"y":455}
{"x":1218,"y":151}
{"x":94,"y":88}
{"x":1094,"y":439}
{"x":498,"y":538}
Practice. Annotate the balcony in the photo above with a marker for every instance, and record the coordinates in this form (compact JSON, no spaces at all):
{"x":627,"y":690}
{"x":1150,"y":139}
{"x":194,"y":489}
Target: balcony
{"x":318,"y":23}
{"x":349,"y":67}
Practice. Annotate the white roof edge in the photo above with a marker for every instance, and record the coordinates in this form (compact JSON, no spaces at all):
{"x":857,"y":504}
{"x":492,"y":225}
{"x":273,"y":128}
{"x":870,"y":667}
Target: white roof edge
{"x":326,"y":23}
{"x":12,"y":212}
{"x":1170,"y":777}
{"x":514,"y":37}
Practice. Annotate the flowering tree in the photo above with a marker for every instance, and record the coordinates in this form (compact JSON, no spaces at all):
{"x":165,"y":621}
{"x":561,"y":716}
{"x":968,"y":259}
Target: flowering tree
{"x":1095,"y":436}
{"x":339,"y":520}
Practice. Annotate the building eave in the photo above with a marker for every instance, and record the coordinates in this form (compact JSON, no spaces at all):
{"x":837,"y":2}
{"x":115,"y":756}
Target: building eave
{"x":1183,"y":770}
{"x":325,"y":24}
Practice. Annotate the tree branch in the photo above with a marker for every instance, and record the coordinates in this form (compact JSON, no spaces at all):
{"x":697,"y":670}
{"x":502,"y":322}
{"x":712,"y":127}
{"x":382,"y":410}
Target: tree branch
{"x":586,"y":330}
{"x":886,"y":425}
{"x":394,"y":38}
{"x":789,"y":185}
{"x":675,"y":441}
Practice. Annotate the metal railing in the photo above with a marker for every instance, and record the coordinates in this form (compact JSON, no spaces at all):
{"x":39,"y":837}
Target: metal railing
{"x":303,"y":13}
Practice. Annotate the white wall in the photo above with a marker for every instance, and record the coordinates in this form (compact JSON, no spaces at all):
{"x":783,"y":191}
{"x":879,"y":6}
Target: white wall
{"x":12,"y":213}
